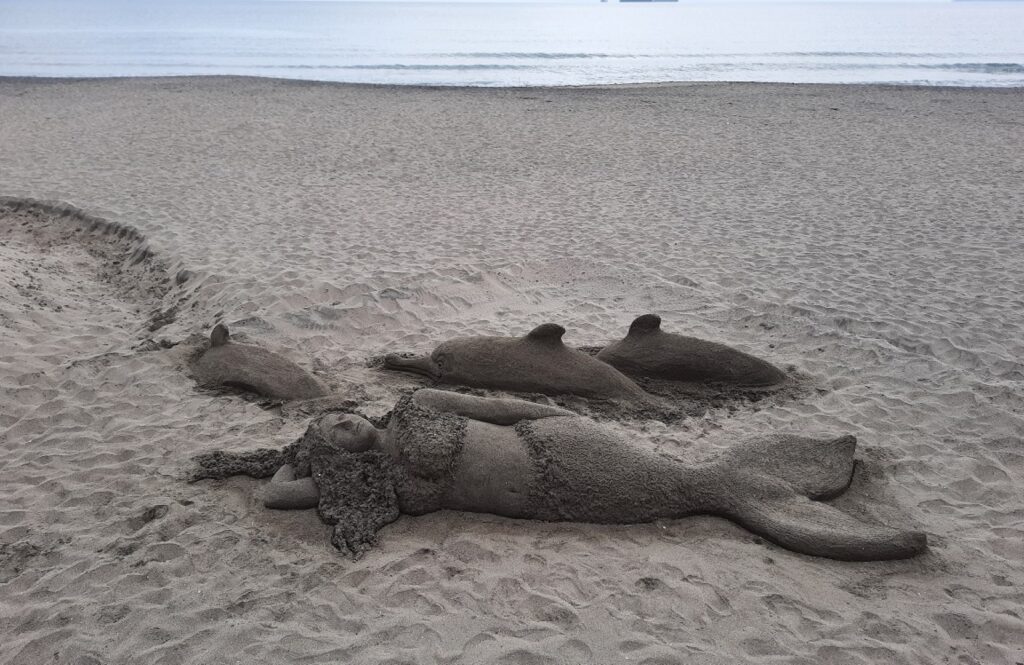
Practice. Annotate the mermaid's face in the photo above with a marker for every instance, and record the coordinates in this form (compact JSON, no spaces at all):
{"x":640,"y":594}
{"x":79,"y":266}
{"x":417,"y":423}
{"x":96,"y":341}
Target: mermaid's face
{"x":348,"y":431}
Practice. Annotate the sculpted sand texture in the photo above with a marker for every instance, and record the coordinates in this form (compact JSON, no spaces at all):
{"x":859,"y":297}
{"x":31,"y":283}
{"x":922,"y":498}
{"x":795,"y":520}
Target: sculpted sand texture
{"x":869,"y":236}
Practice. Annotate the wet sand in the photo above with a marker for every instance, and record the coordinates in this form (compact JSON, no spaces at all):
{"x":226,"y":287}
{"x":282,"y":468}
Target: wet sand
{"x":867,"y":237}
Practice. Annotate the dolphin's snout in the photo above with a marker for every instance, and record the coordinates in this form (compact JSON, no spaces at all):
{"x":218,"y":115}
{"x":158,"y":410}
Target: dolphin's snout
{"x":421,"y":365}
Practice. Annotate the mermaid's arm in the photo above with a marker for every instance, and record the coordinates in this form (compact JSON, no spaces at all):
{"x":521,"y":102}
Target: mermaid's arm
{"x":285,"y":474}
{"x":495,"y":410}
{"x":286,"y":493}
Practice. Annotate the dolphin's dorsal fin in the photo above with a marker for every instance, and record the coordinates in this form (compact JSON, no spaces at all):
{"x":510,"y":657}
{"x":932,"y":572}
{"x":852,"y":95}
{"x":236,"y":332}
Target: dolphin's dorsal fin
{"x":549,"y":333}
{"x":219,"y":336}
{"x":645,"y":324}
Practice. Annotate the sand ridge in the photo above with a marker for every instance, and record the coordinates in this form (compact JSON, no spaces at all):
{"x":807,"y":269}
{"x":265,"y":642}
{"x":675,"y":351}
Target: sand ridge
{"x":868,"y":236}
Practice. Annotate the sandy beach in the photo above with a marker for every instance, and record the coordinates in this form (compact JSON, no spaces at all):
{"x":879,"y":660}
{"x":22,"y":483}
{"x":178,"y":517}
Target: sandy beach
{"x":866,"y":238}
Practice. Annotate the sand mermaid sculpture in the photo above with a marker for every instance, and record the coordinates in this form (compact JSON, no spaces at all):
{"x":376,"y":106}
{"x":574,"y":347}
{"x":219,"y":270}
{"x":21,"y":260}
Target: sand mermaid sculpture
{"x":444,"y":450}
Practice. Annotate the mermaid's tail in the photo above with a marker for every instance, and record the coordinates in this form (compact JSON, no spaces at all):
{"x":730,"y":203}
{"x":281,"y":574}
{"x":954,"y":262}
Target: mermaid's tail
{"x":815,"y":468}
{"x":772,"y":484}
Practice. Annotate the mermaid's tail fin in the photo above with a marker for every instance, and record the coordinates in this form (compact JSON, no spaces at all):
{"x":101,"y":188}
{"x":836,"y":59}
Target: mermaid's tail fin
{"x":776,"y":512}
{"x":816,"y":468}
{"x":773,"y":484}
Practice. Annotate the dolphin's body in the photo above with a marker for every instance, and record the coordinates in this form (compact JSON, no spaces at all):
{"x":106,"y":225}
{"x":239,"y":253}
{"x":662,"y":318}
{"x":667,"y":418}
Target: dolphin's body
{"x":536,"y":363}
{"x":253,"y":369}
{"x":647,"y":351}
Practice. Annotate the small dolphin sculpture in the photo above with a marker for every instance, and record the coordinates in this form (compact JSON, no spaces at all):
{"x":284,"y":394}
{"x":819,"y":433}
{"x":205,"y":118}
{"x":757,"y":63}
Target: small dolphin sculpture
{"x":253,"y":369}
{"x":647,"y":351}
{"x":536,"y":363}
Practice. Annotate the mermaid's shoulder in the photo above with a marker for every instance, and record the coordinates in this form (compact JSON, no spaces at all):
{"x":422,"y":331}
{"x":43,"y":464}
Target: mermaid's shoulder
{"x":404,"y":404}
{"x":408,"y":409}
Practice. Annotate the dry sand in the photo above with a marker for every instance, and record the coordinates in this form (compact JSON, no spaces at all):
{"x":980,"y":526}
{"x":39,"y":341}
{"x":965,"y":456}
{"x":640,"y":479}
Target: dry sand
{"x":869,"y":236}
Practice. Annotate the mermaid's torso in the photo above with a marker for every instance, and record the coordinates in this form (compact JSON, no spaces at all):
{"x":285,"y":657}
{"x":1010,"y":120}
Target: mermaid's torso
{"x":560,"y":468}
{"x":588,"y":473}
{"x":427,"y":446}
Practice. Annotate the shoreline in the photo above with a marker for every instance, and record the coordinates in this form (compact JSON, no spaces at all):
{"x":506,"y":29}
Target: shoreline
{"x":414,"y":86}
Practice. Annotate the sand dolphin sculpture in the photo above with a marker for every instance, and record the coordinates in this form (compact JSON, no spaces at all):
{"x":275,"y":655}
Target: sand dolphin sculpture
{"x":253,"y":369}
{"x":647,"y":351}
{"x":536,"y":363}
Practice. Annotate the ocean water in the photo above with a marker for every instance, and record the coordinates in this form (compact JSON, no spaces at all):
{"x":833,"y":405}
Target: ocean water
{"x":519,"y":44}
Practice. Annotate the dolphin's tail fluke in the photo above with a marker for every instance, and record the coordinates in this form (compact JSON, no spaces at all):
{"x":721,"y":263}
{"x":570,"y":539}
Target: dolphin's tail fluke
{"x":421,"y":365}
{"x":774,"y":485}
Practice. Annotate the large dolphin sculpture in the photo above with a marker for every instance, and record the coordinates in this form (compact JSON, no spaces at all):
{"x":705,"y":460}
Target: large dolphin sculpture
{"x":537,"y":363}
{"x":647,"y":351}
